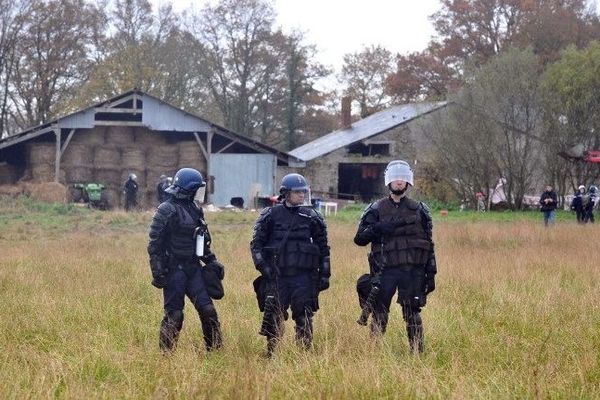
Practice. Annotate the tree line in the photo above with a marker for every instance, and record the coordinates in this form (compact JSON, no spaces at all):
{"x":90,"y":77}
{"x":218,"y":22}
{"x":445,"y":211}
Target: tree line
{"x":521,"y":75}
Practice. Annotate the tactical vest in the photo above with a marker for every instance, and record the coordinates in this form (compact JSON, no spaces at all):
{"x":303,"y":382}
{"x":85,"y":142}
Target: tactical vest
{"x":409,"y":244}
{"x":182,"y":243}
{"x":298,"y":251}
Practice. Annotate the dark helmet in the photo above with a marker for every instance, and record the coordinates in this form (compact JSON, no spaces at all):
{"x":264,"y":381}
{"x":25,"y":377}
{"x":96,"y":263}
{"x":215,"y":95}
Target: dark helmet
{"x":186,"y":182}
{"x":593,"y":189}
{"x":293,"y":182}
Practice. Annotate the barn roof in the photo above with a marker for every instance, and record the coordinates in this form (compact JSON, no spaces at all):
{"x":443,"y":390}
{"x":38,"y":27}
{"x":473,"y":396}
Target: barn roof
{"x":365,"y":128}
{"x":137,"y":108}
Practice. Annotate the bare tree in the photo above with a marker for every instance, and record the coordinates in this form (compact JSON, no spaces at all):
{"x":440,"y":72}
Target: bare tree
{"x":12,"y":19}
{"x":236,"y":36}
{"x":52,"y":57}
{"x":364,"y":74}
{"x":494,"y":129}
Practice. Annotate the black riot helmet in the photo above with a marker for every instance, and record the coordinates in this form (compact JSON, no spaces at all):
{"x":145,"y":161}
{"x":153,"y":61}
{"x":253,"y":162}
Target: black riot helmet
{"x":186,"y":183}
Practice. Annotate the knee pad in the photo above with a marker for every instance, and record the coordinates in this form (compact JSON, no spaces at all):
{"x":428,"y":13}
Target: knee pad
{"x":414,"y":319}
{"x":175,"y":317}
{"x":208,"y":311}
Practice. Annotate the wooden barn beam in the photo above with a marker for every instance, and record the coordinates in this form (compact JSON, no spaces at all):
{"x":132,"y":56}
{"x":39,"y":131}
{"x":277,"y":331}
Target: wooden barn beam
{"x":222,"y":149}
{"x":209,"y":139}
{"x":119,"y":123}
{"x":64,"y":146}
{"x":119,"y":101}
{"x":116,"y":110}
{"x":57,"y":154}
{"x":202,"y":148}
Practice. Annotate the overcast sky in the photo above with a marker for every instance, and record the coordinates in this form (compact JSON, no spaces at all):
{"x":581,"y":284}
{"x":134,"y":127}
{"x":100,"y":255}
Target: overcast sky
{"x":338,"y":27}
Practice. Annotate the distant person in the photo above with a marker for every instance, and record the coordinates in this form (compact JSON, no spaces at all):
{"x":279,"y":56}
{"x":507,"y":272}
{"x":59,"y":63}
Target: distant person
{"x":480,"y":201}
{"x":589,"y":203}
{"x":162,"y":185}
{"x":577,"y":204}
{"x":548,"y":203}
{"x":131,"y":192}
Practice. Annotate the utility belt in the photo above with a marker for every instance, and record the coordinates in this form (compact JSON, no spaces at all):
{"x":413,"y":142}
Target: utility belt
{"x":295,"y":271}
{"x":174,"y":261}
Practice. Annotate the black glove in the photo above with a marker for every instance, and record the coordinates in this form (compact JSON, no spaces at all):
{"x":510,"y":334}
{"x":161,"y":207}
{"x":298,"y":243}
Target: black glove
{"x":383,"y":228}
{"x":323,"y":283}
{"x":218,"y":267}
{"x":266,"y":271}
{"x":160,"y":281}
{"x":429,"y":284}
{"x":159,"y":273}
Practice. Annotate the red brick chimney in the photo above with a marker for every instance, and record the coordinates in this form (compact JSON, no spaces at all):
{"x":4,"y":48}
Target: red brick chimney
{"x":346,"y":112}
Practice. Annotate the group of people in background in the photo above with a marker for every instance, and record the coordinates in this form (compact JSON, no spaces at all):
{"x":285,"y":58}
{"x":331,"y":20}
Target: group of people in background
{"x":583,"y":204}
{"x":131,"y":188}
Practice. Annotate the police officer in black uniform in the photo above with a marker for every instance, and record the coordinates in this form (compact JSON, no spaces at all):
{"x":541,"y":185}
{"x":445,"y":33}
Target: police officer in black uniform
{"x":399,"y":230}
{"x":131,"y":192}
{"x":289,"y":248}
{"x":174,"y":264}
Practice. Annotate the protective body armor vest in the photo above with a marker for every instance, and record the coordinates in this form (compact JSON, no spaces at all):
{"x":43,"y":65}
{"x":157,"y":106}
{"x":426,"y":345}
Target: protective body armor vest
{"x":298,"y":251}
{"x":182,"y":244}
{"x":409,"y":244}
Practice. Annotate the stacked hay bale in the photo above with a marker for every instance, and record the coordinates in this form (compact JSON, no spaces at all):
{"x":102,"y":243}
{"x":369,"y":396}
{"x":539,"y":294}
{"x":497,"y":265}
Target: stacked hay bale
{"x":78,"y":162}
{"x":107,"y":155}
{"x":160,"y":160}
{"x":107,"y":171}
{"x":9,"y":174}
{"x":40,"y":163}
{"x":191,"y":156}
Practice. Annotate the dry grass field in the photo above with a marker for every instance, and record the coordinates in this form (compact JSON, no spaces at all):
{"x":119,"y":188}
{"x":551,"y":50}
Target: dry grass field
{"x":516,"y":315}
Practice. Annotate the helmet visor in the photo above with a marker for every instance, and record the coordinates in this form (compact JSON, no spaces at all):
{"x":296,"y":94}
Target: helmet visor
{"x":299,"y":197}
{"x":398,"y":172}
{"x":200,"y":194}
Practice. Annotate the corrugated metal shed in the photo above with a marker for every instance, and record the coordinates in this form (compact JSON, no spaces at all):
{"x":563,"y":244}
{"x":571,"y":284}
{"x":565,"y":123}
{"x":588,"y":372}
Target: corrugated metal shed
{"x":365,"y":128}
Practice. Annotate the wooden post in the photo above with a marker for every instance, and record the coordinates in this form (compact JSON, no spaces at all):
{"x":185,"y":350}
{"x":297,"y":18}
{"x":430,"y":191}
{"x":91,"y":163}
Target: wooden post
{"x":209,"y":138}
{"x":57,"y":155}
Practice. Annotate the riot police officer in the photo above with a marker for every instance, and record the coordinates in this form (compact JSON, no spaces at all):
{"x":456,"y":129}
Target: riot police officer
{"x":289,"y":248}
{"x":131,"y":192}
{"x":175,"y":260}
{"x":402,"y":256}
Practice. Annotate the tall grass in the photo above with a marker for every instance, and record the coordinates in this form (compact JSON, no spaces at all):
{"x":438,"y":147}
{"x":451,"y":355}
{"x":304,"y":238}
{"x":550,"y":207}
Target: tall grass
{"x":515,"y":315}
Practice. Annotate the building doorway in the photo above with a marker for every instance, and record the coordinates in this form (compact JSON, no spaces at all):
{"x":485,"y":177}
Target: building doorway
{"x":361,"y":182}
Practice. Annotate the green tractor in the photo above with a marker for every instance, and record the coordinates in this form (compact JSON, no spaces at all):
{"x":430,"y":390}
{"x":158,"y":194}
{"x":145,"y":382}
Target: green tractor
{"x":94,"y":194}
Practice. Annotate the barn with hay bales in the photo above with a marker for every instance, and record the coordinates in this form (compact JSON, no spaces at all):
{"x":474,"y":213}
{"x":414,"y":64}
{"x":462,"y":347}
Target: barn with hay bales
{"x":138,"y":133}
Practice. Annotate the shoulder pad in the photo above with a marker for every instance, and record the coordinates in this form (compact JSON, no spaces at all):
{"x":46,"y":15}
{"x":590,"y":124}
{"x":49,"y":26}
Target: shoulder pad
{"x":412,"y":204}
{"x":264,"y":214}
{"x":308,"y":212}
{"x":371,"y":207}
{"x":425,"y":210}
{"x":166,"y":208}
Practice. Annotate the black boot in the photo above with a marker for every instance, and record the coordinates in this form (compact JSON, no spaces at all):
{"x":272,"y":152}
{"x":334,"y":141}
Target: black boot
{"x":169,"y":330}
{"x":379,"y":323}
{"x":304,"y":332}
{"x":414,"y":329}
{"x":211,"y":328}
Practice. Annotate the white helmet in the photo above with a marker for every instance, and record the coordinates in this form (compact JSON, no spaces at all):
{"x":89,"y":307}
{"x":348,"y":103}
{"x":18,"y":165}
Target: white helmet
{"x":581,"y":187}
{"x":133,"y":176}
{"x":398,"y":170}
